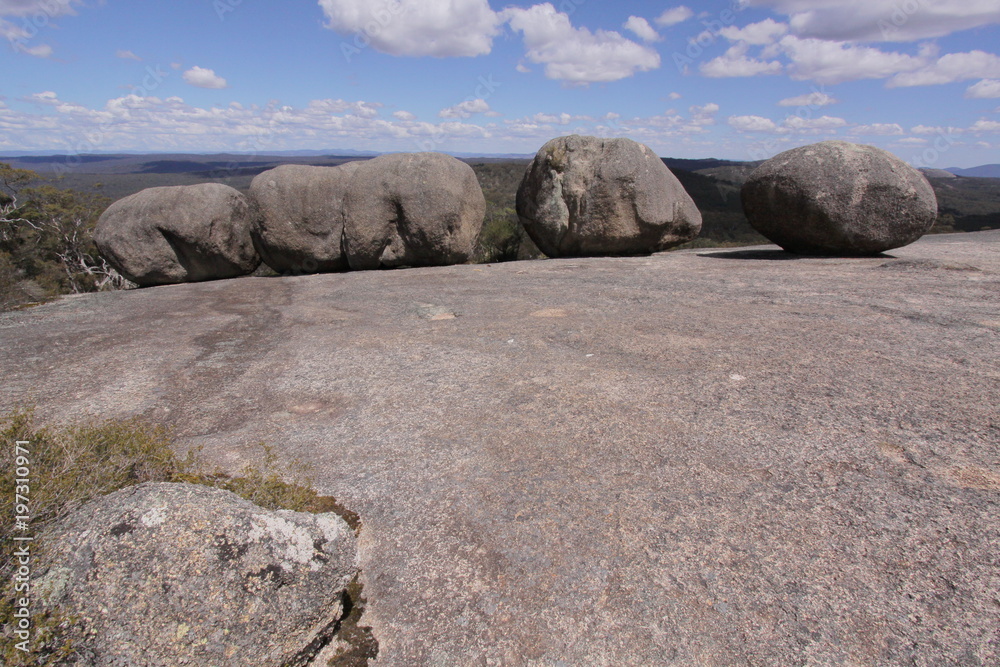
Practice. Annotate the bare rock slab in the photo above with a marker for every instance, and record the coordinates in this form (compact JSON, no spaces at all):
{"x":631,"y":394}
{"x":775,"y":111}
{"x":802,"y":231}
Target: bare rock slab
{"x":178,"y":234}
{"x":839,"y":198}
{"x":704,"y":457}
{"x":591,"y":196}
{"x":412,"y":209}
{"x":167,"y":574}
{"x":298,"y":221}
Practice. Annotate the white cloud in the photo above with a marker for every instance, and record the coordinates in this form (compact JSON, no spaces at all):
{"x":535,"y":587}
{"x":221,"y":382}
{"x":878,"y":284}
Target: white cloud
{"x":640,"y":28}
{"x":810,"y":124}
{"x":836,"y":62}
{"x":791,"y":124}
{"x":126,"y":55}
{"x":950,"y":68}
{"x":674,"y":16}
{"x":554,"y":119}
{"x":40,"y":51}
{"x":204,"y":78}
{"x":704,"y":115}
{"x":25,"y":10}
{"x":814,"y":99}
{"x":675,"y":96}
{"x":404,"y":115}
{"x":735,"y":63}
{"x":882,"y":20}
{"x":465,"y":109}
{"x":576,"y":55}
{"x":879,"y":130}
{"x":47,"y":98}
{"x":441,"y":28}
{"x":752,"y":124}
{"x":912,"y":141}
{"x":985,"y":89}
{"x":759,"y":34}
{"x":985,"y":126}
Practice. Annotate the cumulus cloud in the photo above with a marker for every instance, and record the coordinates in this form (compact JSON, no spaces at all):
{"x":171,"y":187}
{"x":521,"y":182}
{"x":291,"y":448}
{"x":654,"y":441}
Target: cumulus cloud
{"x":18,"y":32}
{"x":48,"y":97}
{"x":735,"y":63}
{"x":554,"y":119}
{"x":836,"y":62}
{"x":577,"y":55}
{"x":674,"y":16}
{"x":879,"y":129}
{"x":404,"y":115}
{"x":640,"y":28}
{"x":882,"y":20}
{"x":985,"y":89}
{"x":752,"y":124}
{"x":441,"y":28}
{"x":465,"y":109}
{"x":814,"y":99}
{"x":990,"y":126}
{"x":126,"y":55}
{"x":704,"y":115}
{"x":204,"y":78}
{"x":950,"y":68}
{"x":791,"y":124}
{"x":759,"y":34}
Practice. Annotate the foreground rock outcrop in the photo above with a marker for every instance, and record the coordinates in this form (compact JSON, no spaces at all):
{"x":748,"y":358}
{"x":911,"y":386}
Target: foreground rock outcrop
{"x":168,"y":574}
{"x":178,"y":234}
{"x":839,"y":198}
{"x":592,"y":196}
{"x":704,"y":457}
{"x":298,"y":221}
{"x":412,"y":209}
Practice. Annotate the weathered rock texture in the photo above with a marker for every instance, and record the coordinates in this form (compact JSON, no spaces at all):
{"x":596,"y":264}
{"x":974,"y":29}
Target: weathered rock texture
{"x":178,"y":234}
{"x":592,"y":196}
{"x":839,"y":198}
{"x":711,"y":457}
{"x":298,"y":221}
{"x":412,"y":209}
{"x":168,"y":574}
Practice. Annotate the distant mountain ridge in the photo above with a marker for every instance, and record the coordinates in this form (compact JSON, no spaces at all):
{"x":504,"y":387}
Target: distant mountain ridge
{"x":982,"y":171}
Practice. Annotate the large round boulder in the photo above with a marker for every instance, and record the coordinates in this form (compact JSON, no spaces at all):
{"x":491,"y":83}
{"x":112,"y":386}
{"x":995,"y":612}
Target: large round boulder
{"x":591,"y":196}
{"x":181,"y":574}
{"x":178,"y":234}
{"x":412,"y":209}
{"x":298,"y":220}
{"x":839,"y":198}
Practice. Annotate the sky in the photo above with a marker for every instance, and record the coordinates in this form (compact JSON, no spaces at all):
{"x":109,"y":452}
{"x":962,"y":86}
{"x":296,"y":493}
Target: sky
{"x":730,"y":79}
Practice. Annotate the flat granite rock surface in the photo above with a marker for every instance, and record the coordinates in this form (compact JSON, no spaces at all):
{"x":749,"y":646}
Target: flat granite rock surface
{"x":707,"y":457}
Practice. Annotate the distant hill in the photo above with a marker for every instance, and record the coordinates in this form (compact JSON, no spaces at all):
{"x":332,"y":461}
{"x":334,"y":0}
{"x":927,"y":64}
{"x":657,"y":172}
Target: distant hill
{"x":984,"y":171}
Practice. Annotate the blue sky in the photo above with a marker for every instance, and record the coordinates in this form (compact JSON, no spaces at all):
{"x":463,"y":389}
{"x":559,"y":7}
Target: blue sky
{"x":737,"y":79}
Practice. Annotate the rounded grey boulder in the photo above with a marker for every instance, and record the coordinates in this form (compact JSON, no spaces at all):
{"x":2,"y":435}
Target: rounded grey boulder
{"x":839,"y":198}
{"x":412,"y":209}
{"x":169,"y":574}
{"x":298,"y":217}
{"x":178,"y":234}
{"x":591,"y":196}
